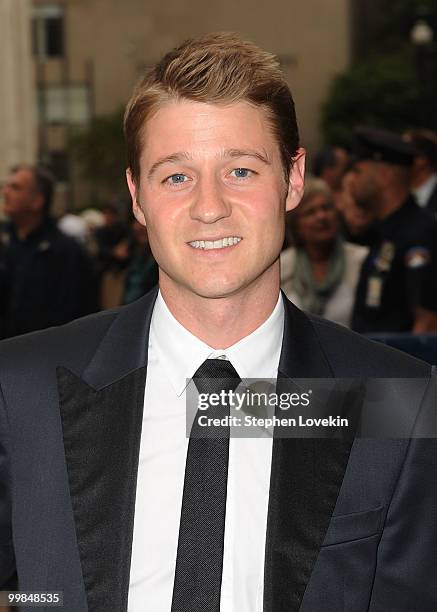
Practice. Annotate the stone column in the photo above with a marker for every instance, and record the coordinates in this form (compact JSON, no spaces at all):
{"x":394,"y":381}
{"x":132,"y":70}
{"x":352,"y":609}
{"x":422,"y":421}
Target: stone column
{"x":18,"y":127}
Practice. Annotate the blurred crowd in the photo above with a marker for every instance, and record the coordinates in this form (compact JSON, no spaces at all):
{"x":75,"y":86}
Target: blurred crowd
{"x":360,"y":249}
{"x":53,"y":271}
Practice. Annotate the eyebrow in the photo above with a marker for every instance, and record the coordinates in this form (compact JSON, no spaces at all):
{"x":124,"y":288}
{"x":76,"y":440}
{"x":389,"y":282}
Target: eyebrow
{"x":168,"y":159}
{"x":262,"y":157}
{"x":180,"y":156}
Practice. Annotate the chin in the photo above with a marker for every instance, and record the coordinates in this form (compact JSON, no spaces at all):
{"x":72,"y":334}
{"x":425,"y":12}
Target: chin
{"x":218,"y":288}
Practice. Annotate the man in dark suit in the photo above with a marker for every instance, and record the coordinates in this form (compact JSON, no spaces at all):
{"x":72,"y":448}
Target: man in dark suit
{"x":104,"y":497}
{"x":45,"y":276}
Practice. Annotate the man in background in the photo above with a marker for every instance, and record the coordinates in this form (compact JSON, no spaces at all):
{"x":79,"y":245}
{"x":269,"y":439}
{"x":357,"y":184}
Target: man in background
{"x":424,"y":170}
{"x":45,"y":275}
{"x":330,"y":164}
{"x":397,"y":290}
{"x":142,"y":272}
{"x":112,"y":257}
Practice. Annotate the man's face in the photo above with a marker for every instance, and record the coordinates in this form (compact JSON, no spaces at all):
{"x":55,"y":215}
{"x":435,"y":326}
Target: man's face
{"x":357,"y":218}
{"x":19,"y":194}
{"x":213,"y":197}
{"x":364,"y":184}
{"x":334,"y":174}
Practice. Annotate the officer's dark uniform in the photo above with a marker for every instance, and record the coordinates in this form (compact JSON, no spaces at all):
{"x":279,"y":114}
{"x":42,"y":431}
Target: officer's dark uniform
{"x":396,"y":271}
{"x":400,"y":272}
{"x":45,"y":280}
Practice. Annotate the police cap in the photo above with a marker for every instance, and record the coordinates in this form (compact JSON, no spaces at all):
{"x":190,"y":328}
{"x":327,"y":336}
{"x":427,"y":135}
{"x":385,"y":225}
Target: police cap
{"x":382,"y":146}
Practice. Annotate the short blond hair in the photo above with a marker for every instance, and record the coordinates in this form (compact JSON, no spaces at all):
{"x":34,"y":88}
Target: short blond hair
{"x":217,"y":68}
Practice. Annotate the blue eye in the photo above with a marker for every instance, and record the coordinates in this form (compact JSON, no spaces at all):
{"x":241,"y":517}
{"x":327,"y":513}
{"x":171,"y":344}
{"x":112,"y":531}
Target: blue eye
{"x":241,"y":172}
{"x":176,"y":179}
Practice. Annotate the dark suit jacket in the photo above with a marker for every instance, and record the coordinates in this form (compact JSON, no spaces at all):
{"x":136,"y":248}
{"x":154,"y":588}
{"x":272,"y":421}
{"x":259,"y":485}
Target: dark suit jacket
{"x":431,"y":205}
{"x":348,"y":529}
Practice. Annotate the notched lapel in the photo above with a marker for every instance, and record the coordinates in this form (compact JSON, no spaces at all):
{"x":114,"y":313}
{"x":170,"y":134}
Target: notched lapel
{"x":102,"y":430}
{"x":306,"y":477}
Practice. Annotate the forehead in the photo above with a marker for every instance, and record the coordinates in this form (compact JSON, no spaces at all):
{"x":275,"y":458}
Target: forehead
{"x":203,"y":129}
{"x":340,"y":154}
{"x":22,"y":177}
{"x":364,"y":165}
{"x":314,"y":201}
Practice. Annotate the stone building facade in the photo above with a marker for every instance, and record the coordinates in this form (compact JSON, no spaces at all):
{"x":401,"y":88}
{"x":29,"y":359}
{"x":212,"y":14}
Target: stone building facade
{"x":89,"y":53}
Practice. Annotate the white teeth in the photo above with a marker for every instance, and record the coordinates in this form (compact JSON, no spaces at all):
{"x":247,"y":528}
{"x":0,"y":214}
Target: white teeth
{"x":216,"y":244}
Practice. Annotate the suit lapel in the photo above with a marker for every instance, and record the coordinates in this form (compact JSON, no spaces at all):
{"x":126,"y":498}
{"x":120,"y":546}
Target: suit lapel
{"x":101,"y":416}
{"x":305,"y":480}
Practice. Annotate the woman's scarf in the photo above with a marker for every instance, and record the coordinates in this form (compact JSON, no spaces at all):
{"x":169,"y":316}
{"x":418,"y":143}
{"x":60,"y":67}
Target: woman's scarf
{"x":314,"y":294}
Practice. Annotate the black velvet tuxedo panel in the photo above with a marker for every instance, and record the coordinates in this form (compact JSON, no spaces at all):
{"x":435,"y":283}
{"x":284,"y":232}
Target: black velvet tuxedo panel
{"x":350,"y":527}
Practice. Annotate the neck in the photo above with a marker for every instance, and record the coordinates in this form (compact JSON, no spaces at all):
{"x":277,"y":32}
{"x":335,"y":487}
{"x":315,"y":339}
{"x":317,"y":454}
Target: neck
{"x":420,"y":176}
{"x":24,"y":227}
{"x":319,"y":252}
{"x":223,"y":321}
{"x":391,"y":199}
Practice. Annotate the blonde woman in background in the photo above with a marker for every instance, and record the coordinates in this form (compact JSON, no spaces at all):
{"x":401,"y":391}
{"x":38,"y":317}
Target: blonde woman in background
{"x":320,"y":272}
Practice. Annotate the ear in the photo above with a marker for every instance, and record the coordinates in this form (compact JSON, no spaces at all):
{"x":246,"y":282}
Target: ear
{"x":296,"y":180}
{"x":133,"y":190}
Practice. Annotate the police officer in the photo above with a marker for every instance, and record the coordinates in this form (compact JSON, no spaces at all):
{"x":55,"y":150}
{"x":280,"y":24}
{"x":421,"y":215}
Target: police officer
{"x":424,"y":174}
{"x":397,"y":289}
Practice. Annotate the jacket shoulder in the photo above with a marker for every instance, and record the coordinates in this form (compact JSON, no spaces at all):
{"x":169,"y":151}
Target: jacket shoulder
{"x":351,"y":354}
{"x":72,"y":344}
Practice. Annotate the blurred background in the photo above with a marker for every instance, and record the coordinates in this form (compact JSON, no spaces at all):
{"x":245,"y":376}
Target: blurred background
{"x":68,"y":67}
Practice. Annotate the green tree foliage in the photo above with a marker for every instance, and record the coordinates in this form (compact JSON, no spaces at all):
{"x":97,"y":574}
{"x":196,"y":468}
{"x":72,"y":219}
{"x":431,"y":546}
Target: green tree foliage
{"x":395,"y":20}
{"x":392,"y":83}
{"x":99,"y":150}
{"x":381,"y":91}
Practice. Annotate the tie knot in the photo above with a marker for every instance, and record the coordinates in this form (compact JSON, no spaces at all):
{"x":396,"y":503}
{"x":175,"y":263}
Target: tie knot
{"x":215,"y":375}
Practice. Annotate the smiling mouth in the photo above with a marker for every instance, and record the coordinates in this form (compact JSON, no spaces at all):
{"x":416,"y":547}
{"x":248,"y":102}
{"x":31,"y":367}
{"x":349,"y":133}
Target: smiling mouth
{"x":207,"y":245}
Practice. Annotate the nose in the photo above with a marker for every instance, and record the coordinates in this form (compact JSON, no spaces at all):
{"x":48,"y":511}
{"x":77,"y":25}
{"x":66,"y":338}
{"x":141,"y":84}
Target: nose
{"x":210,"y":204}
{"x":322,"y":214}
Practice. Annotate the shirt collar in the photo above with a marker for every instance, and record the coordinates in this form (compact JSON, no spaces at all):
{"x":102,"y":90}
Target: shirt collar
{"x":181,"y":353}
{"x":423,"y":193}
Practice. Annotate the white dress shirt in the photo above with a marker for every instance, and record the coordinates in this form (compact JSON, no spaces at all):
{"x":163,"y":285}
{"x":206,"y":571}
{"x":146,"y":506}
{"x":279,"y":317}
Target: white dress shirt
{"x":174,"y":356}
{"x":423,"y":193}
